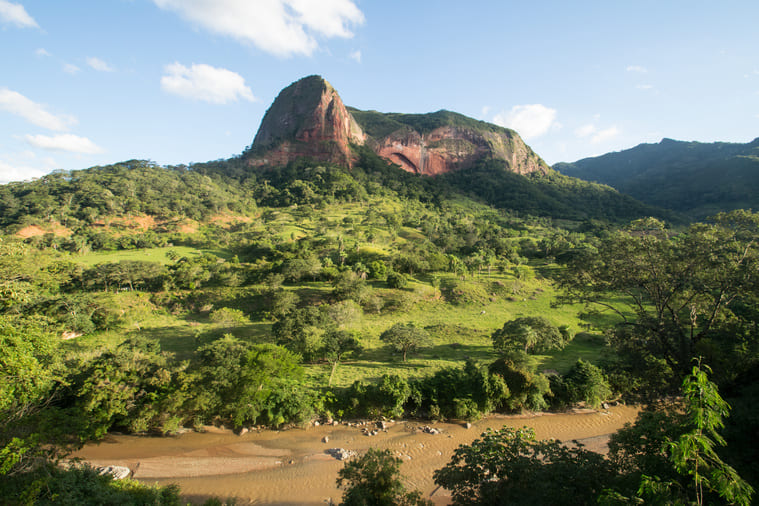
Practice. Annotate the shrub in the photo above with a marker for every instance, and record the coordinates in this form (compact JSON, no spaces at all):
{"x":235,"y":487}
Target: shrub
{"x":397,"y":280}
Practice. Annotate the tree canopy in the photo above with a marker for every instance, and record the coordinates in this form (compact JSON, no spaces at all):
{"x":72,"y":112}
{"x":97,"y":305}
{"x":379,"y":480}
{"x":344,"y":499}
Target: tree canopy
{"x":405,"y":337}
{"x":531,"y":334}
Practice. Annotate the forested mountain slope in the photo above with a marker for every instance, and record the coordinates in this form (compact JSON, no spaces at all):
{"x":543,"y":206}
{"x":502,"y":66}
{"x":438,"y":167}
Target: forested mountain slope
{"x":694,"y":178}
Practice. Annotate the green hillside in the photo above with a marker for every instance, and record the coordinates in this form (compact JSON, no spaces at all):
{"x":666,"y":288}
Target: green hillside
{"x":697,"y":179}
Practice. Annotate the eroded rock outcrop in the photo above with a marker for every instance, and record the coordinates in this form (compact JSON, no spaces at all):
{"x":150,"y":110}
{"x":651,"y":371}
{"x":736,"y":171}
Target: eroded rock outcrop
{"x":308,"y":119}
{"x":449,"y":148}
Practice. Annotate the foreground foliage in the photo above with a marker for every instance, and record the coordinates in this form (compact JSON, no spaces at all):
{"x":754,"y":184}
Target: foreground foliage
{"x":665,"y":458}
{"x":374,"y":479}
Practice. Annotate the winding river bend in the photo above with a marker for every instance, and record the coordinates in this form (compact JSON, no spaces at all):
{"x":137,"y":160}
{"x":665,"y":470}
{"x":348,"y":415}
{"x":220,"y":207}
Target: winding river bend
{"x":293,"y":467}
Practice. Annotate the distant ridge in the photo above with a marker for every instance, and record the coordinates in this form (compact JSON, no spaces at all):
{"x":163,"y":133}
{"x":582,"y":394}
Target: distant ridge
{"x":308,"y":119}
{"x":694,"y":178}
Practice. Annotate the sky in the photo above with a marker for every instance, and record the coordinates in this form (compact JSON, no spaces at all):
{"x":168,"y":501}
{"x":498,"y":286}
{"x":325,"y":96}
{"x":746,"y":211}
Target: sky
{"x":94,"y":82}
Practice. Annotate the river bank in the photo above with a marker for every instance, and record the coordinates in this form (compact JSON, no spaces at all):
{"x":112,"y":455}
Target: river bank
{"x":293,"y":466}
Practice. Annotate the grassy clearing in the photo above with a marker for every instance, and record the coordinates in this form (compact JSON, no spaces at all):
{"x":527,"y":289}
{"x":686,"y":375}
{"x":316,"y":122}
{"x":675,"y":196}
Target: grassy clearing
{"x":147,"y":255}
{"x":585,"y":346}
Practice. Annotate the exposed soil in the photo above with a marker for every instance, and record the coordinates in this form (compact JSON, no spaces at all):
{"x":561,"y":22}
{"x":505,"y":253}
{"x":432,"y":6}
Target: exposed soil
{"x":34,"y":230}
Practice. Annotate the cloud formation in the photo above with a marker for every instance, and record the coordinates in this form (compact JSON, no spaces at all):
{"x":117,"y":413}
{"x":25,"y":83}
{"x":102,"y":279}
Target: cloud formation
{"x":99,"y":65}
{"x":280,"y":27}
{"x":636,"y":68}
{"x":36,"y":114}
{"x":65,"y":142}
{"x":530,"y":121}
{"x":70,"y":68}
{"x":604,"y":135}
{"x":15,"y":14}
{"x":355,"y":55}
{"x":12,"y":172}
{"x":596,"y":136}
{"x":206,"y":83}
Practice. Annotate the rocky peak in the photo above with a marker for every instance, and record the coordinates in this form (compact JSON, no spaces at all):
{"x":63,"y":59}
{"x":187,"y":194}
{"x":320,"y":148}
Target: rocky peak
{"x":307,"y":119}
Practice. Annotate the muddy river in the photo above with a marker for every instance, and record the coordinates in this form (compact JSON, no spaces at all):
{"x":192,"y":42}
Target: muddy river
{"x":293,"y":466}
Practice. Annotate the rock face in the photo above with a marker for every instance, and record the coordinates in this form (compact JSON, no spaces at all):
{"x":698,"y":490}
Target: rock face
{"x":449,"y":148}
{"x":308,"y":119}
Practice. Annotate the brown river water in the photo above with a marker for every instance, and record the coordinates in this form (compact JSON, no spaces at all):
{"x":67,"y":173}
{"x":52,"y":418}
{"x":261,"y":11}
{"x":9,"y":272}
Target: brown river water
{"x":293,"y":467}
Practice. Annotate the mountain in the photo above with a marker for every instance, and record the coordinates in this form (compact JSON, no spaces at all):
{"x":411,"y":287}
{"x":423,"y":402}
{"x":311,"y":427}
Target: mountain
{"x":308,"y":119}
{"x":694,"y":178}
{"x":324,"y":153}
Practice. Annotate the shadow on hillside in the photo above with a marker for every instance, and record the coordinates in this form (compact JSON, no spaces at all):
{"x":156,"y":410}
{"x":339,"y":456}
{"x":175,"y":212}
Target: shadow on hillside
{"x":381,"y":357}
{"x":458,"y":352}
{"x":183,"y":340}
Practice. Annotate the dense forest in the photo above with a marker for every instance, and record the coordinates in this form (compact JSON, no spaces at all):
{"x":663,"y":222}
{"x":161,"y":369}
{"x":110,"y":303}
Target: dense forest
{"x":149,"y":299}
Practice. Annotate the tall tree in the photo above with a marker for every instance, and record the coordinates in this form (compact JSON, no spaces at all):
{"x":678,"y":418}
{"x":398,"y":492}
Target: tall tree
{"x":671,"y":293}
{"x":336,"y":344}
{"x":531,"y":334}
{"x":405,"y":337}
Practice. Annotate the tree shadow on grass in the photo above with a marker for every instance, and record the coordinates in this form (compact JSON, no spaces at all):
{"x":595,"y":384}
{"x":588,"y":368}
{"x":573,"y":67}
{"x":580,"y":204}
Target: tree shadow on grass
{"x":386,"y":357}
{"x":458,"y":352}
{"x":183,"y":340}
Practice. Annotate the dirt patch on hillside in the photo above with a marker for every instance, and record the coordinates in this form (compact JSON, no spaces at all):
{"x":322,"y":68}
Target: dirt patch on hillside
{"x":144,"y":222}
{"x":227,"y":220}
{"x":54,"y":228}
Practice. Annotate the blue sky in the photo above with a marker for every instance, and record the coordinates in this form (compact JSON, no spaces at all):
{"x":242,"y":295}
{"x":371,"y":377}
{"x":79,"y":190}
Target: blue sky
{"x":87,"y":83}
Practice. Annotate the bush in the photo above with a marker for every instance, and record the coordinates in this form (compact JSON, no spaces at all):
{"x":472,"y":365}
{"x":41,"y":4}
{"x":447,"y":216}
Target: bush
{"x":586,"y":383}
{"x":397,"y":280}
{"x":527,"y":387}
{"x":374,"y":479}
{"x":83,"y":486}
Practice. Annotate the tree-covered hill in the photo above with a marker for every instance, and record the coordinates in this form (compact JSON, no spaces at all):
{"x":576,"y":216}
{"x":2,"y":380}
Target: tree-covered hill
{"x":87,"y":197}
{"x":694,"y":178}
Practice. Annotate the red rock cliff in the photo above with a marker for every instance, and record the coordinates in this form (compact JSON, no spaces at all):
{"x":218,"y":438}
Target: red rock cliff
{"x":446,"y":149}
{"x":308,"y":119}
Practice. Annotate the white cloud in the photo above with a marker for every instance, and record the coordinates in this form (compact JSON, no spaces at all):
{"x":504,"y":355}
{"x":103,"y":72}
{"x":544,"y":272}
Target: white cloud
{"x":281,"y":27}
{"x":99,"y":65}
{"x":636,"y":68}
{"x":645,"y":86}
{"x":604,"y":135}
{"x":596,"y":136}
{"x":206,"y":83}
{"x":355,"y":55}
{"x":585,"y":130}
{"x":70,"y":68}
{"x":12,"y":172}
{"x":41,"y":52}
{"x":530,"y":121}
{"x":65,"y":142}
{"x":15,"y":14}
{"x":485,"y":110}
{"x":36,"y":114}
